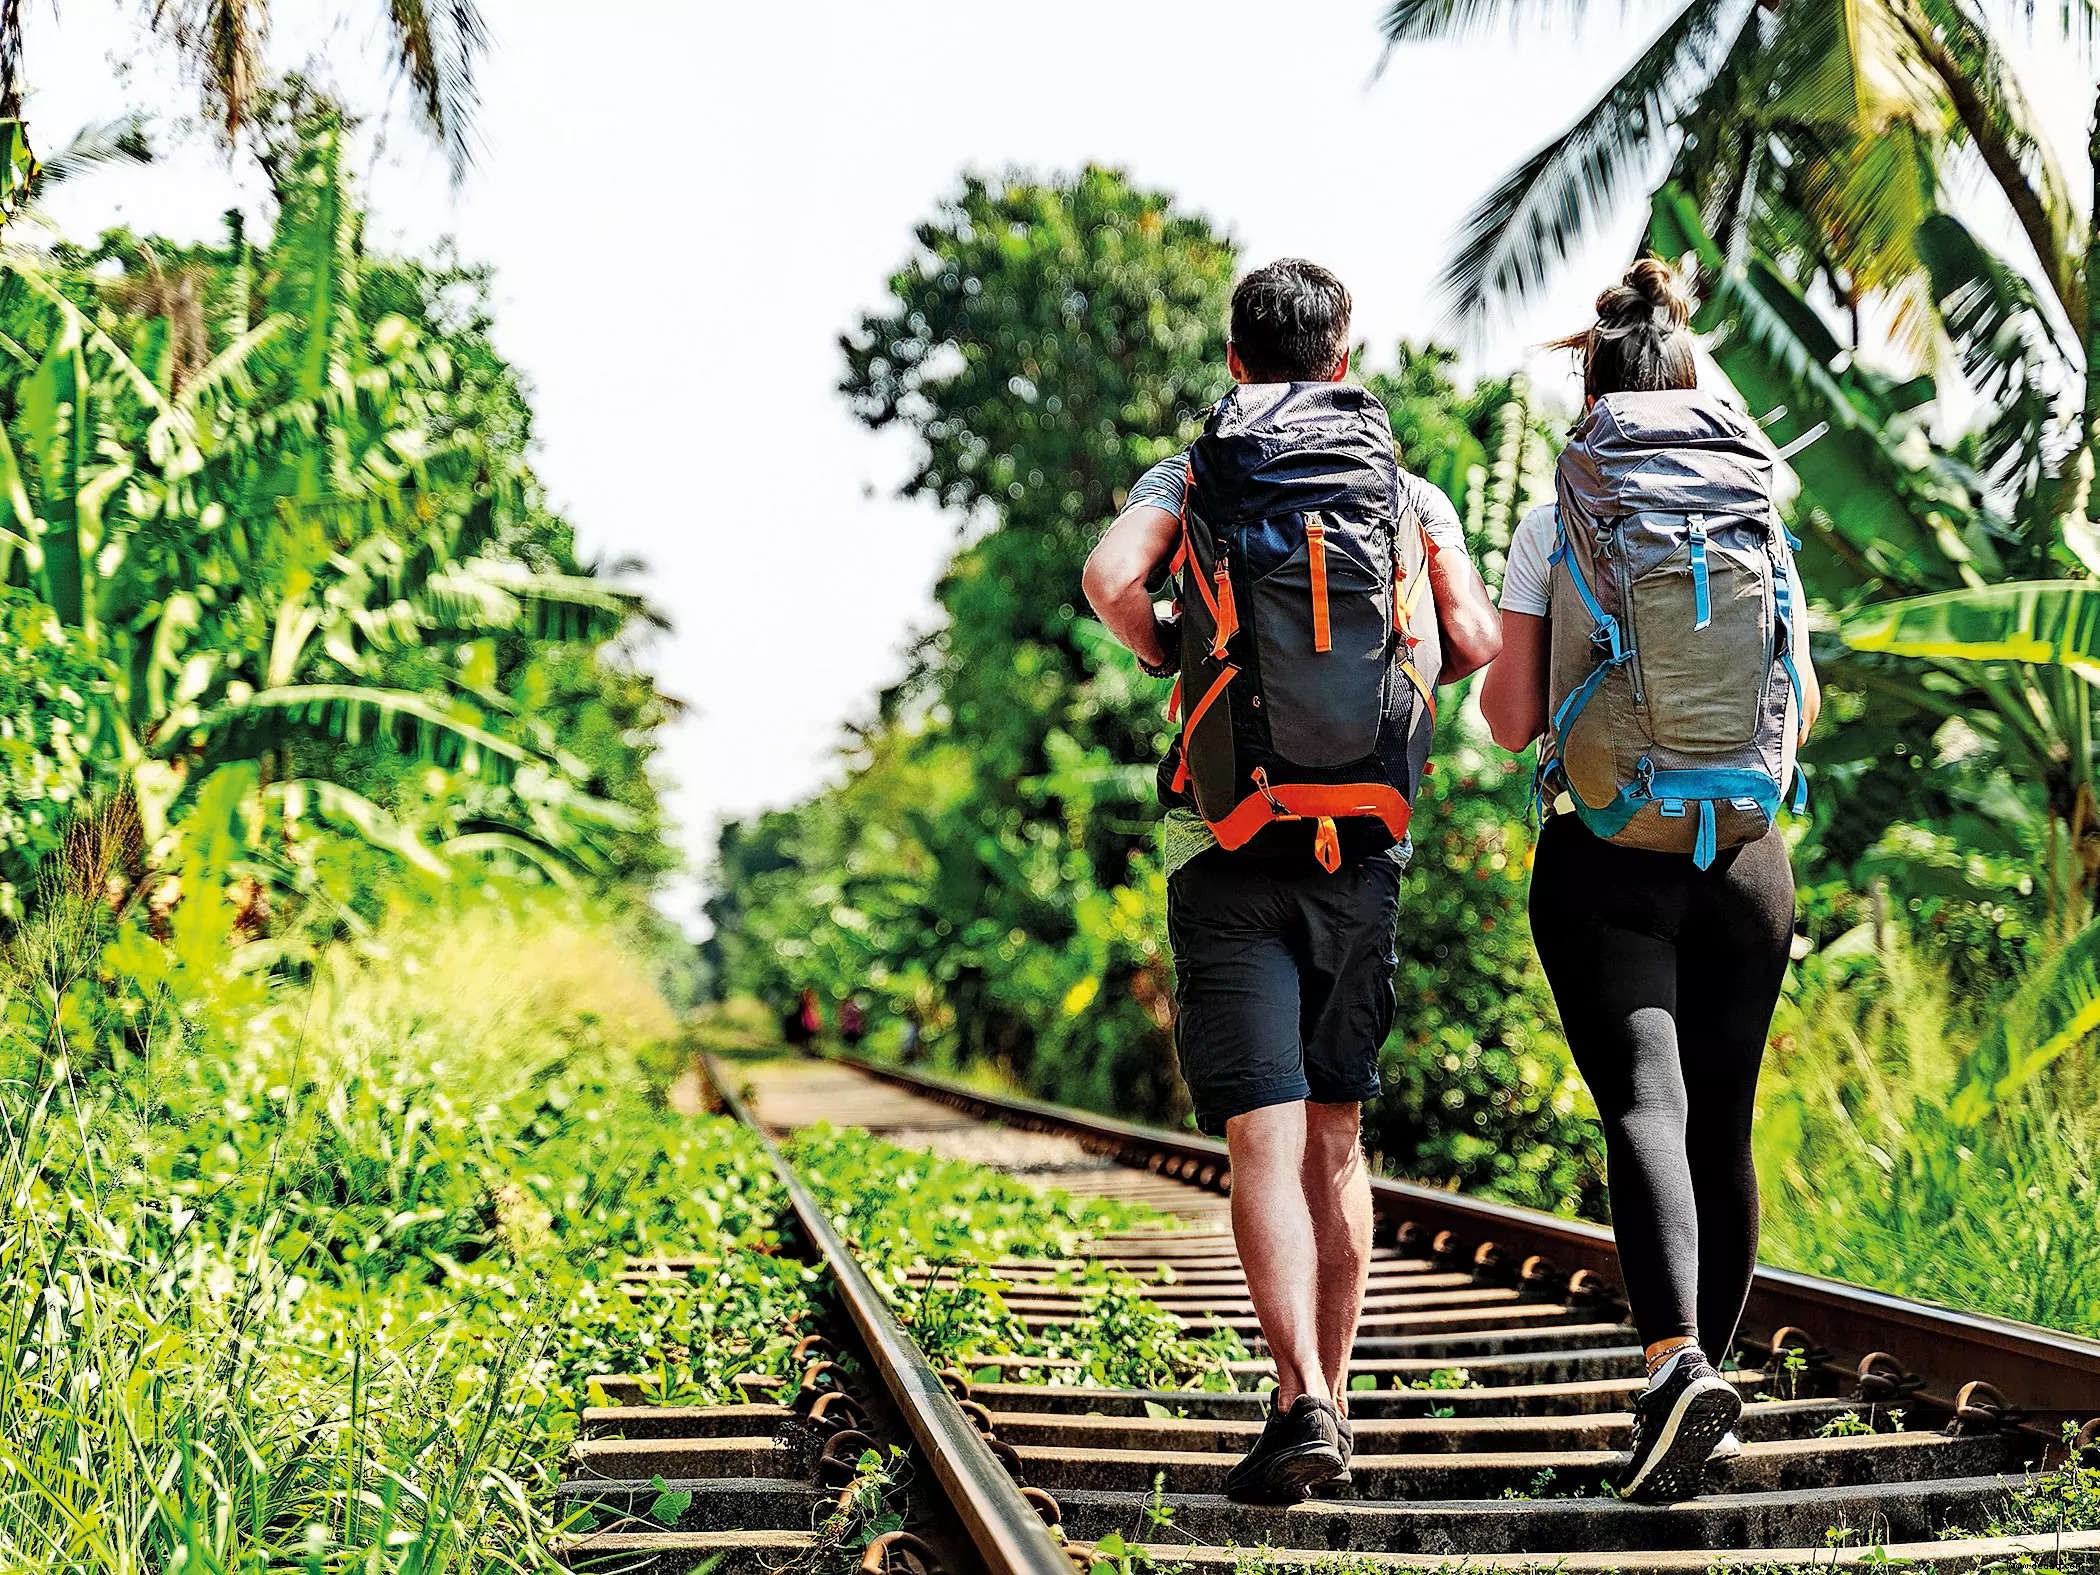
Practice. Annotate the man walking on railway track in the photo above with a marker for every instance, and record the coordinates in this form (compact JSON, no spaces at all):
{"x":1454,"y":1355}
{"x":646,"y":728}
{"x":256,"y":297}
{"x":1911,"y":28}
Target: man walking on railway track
{"x":1323,"y":593}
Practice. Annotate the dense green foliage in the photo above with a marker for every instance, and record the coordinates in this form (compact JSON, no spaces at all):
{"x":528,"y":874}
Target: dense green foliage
{"x":267,"y":519}
{"x":326,"y":1116}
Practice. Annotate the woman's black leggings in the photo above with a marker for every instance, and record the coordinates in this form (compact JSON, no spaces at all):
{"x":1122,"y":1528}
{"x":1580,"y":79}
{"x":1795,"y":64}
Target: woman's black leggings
{"x":1666,"y":976}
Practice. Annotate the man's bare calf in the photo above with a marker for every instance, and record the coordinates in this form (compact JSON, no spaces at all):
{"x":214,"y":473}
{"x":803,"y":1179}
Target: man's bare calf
{"x":1301,"y":1218}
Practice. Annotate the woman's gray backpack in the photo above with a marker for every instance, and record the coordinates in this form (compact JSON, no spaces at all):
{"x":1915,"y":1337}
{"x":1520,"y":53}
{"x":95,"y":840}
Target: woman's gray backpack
{"x":1675,"y":698}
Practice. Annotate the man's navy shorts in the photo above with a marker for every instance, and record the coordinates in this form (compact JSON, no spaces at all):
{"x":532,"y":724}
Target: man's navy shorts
{"x":1283,"y":980}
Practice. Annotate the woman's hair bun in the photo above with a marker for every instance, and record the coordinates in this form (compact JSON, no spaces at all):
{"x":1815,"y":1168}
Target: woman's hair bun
{"x":1651,"y":288}
{"x":1641,"y":341}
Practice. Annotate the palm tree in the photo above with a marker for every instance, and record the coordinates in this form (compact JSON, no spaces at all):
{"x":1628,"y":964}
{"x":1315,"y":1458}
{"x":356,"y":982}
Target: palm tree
{"x":1816,"y":132}
{"x":437,"y":48}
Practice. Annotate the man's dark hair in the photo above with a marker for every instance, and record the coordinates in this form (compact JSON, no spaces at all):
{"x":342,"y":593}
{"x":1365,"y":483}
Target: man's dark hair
{"x":1290,"y":322}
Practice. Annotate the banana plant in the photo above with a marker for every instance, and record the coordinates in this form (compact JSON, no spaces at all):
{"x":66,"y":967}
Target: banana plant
{"x":284,"y":551}
{"x":1962,"y":597}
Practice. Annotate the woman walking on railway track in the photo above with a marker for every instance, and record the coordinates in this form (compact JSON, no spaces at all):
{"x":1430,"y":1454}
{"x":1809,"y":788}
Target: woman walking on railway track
{"x":1653,"y":646}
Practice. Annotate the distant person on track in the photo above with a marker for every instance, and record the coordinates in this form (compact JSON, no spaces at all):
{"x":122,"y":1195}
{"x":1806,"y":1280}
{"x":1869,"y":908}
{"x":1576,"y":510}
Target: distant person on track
{"x":804,"y":1021}
{"x":1653,"y":645}
{"x":1323,"y":591}
{"x":853,"y":1022}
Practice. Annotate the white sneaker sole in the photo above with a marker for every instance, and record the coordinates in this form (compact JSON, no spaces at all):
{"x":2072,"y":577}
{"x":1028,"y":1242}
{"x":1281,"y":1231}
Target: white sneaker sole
{"x":1703,"y":1414}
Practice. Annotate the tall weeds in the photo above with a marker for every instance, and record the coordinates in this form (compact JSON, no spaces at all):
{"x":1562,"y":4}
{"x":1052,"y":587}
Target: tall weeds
{"x":310,"y":1277}
{"x":1876,"y":1172}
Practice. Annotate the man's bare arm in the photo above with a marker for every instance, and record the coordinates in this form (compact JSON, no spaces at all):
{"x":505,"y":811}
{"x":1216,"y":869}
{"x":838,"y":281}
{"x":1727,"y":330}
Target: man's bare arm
{"x":1472,"y":632}
{"x":1119,"y":570}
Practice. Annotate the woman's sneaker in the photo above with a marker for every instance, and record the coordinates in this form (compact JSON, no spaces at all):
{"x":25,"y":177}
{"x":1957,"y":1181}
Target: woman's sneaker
{"x":1296,"y":1452}
{"x":1729,"y":1448}
{"x":1677,"y":1421}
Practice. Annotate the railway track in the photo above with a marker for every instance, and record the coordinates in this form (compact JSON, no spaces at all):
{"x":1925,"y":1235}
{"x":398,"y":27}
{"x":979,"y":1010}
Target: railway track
{"x":1504,"y":1368}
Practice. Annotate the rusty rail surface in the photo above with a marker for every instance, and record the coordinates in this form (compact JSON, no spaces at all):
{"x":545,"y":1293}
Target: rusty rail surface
{"x":1007,"y":1532}
{"x":2043,"y":1376}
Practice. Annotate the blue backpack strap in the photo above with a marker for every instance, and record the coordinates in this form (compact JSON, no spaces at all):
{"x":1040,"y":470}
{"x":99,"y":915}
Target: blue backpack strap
{"x":1783,"y":605}
{"x":1702,"y":600}
{"x":1709,"y":841}
{"x":1800,"y":804}
{"x":1605,"y":627}
{"x":1571,"y":708}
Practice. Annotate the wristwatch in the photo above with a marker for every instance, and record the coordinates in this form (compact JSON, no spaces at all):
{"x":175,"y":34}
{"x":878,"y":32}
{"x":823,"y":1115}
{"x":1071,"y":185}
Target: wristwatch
{"x":1168,"y":632}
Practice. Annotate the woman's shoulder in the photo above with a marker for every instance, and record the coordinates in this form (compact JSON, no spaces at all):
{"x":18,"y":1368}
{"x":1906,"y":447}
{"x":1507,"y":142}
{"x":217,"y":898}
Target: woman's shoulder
{"x":1533,"y":536}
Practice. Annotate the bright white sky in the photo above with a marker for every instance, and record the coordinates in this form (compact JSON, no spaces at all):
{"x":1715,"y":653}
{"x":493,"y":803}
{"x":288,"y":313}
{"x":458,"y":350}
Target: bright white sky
{"x":686,"y":203}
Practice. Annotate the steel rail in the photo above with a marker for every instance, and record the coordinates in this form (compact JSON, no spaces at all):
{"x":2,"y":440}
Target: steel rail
{"x":2047,"y":1375}
{"x":1009,"y":1536}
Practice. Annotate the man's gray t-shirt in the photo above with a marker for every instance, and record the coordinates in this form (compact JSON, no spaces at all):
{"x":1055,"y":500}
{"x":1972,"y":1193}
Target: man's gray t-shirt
{"x":1165,"y":486}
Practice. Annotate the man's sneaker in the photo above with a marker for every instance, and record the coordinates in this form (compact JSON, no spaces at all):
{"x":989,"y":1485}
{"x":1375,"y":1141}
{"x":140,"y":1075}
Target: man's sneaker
{"x":1677,"y":1420}
{"x":1297,"y":1449}
{"x":1345,"y":1445}
{"x":1729,"y":1448}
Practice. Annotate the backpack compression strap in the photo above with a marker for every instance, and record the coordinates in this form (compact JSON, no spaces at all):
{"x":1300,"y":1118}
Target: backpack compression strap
{"x":1316,"y":564}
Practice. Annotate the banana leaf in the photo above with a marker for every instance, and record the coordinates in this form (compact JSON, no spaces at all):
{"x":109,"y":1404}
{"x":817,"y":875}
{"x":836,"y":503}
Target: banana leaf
{"x":2045,"y":622}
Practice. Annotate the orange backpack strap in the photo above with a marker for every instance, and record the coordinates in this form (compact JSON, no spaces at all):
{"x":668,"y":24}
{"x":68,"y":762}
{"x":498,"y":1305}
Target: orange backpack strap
{"x":1327,"y":845}
{"x":1228,"y":614}
{"x":1210,"y":698}
{"x":1316,"y":561}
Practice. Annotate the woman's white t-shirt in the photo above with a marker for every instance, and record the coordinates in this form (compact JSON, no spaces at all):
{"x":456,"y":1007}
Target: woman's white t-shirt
{"x":1527,"y":575}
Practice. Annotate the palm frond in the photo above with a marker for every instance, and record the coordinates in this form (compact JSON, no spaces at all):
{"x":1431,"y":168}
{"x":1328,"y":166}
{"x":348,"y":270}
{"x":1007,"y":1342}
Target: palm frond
{"x":1421,"y":21}
{"x":120,"y":141}
{"x":439,"y":44}
{"x":1984,"y":91}
{"x":2010,"y":353}
{"x":1549,"y":205}
{"x":222,"y":42}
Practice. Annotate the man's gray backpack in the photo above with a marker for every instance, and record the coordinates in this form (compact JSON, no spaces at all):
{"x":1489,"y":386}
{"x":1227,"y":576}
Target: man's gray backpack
{"x":1675,"y":698}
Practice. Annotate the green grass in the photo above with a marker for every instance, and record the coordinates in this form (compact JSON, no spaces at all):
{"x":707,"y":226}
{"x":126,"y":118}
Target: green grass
{"x":906,"y":1208}
{"x":1869,"y":1177}
{"x":310,"y":1277}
